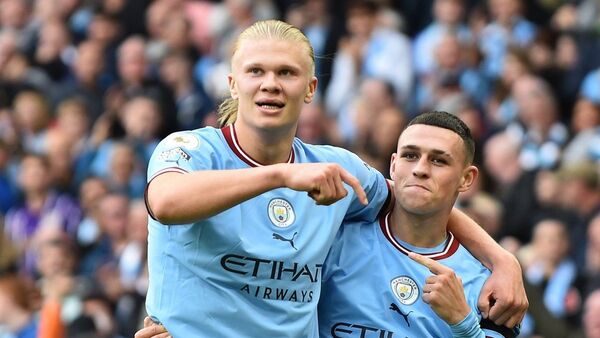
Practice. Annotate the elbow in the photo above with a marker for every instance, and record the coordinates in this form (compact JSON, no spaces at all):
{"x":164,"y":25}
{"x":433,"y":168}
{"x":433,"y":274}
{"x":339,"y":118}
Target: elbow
{"x":163,"y":209}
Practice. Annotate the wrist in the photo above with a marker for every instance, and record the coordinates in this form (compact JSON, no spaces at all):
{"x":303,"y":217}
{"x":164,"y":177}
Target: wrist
{"x":504,"y":260}
{"x":467,"y":327}
{"x":459,"y":316}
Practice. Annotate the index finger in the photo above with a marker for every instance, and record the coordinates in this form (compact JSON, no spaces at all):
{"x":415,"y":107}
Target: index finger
{"x":433,"y":266}
{"x":356,"y":186}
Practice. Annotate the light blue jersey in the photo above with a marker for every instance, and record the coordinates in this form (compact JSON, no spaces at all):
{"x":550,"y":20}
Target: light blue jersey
{"x":253,"y":270}
{"x":372,"y":289}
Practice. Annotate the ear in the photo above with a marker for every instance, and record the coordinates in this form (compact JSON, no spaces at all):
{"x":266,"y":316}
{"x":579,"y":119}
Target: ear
{"x":393,"y":166}
{"x":312,"y":89}
{"x":232,"y":88}
{"x":469,"y":176}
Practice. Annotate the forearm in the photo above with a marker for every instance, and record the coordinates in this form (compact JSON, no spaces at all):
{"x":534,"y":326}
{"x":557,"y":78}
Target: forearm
{"x":476,"y":240}
{"x":176,"y":198}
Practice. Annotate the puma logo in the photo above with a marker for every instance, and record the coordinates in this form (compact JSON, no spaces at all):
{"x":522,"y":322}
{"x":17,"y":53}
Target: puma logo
{"x":395,"y":308}
{"x":283,"y":239}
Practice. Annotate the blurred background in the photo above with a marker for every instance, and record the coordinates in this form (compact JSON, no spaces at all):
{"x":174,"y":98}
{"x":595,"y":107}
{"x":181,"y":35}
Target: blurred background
{"x":89,"y":87}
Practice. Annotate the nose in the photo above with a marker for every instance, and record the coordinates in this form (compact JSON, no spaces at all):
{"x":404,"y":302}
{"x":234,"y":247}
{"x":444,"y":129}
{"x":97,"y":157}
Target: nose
{"x":270,"y":83}
{"x":421,"y":168}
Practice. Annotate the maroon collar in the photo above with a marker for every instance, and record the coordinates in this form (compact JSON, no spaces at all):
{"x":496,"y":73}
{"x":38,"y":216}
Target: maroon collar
{"x":232,"y":141}
{"x":449,"y":249}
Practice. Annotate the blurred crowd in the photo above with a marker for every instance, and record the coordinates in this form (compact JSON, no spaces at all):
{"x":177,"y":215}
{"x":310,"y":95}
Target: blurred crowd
{"x":89,"y":87}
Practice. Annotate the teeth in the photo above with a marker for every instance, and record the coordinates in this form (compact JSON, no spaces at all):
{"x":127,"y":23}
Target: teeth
{"x":269,"y":106}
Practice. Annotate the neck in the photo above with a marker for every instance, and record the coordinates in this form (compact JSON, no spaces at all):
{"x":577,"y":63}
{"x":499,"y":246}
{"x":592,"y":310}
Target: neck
{"x":265,"y":146}
{"x":36,"y":200}
{"x":182,"y":88}
{"x":17,"y":321}
{"x":425,"y":231}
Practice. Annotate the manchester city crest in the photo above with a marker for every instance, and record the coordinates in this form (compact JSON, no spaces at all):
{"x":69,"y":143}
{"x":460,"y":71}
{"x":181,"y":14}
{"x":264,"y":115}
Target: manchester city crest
{"x":281,"y":213}
{"x":405,"y":289}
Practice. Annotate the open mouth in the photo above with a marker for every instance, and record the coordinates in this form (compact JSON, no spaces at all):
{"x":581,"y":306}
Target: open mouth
{"x":270,"y":104}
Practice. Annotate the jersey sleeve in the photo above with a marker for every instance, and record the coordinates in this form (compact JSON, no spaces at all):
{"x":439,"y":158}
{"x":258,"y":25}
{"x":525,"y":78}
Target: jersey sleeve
{"x":375,"y":185}
{"x":470,"y":327}
{"x":180,"y":152}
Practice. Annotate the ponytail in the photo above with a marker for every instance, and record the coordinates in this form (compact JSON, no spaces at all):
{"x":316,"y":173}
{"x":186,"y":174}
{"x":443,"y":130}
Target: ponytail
{"x":227,"y":112}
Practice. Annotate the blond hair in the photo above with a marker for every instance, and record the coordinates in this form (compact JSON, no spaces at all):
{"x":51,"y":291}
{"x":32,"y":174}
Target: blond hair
{"x":267,"y":29}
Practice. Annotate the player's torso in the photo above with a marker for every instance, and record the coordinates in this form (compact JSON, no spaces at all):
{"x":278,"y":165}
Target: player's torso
{"x":375,"y":290}
{"x":253,"y":265}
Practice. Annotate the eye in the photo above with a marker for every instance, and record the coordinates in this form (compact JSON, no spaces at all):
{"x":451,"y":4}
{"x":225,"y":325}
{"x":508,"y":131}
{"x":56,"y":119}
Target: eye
{"x":409,"y":156}
{"x":255,"y":71}
{"x":286,"y":72}
{"x":439,"y":161}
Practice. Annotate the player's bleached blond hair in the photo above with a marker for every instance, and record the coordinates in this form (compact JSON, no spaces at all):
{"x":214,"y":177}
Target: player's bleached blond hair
{"x":260,"y":30}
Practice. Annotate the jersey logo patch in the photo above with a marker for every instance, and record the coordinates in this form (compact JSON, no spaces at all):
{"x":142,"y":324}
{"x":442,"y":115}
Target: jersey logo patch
{"x":174,"y":155}
{"x":405,"y":289}
{"x":395,"y":308}
{"x":186,"y":140}
{"x":283,"y":239}
{"x":281,"y":213}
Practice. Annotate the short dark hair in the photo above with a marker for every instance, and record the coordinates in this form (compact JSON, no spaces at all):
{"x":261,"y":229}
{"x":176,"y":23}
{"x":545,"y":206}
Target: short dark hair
{"x":448,"y":121}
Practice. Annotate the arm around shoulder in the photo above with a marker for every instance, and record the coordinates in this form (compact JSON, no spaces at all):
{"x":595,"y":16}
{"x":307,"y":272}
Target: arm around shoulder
{"x":503,"y":299}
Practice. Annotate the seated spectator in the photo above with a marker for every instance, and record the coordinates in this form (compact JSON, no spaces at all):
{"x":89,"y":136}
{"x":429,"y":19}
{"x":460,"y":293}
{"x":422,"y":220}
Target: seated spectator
{"x":579,"y":194}
{"x":448,"y":15}
{"x":127,"y":174}
{"x":42,"y":207}
{"x":585,"y":126}
{"x":32,"y":117}
{"x":368,"y":51}
{"x":508,"y":28}
{"x":547,"y":265}
{"x":16,"y":308}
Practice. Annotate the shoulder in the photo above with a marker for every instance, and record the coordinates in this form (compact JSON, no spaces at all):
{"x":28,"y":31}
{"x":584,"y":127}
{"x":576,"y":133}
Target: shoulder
{"x":325,"y":153}
{"x":192,"y":140}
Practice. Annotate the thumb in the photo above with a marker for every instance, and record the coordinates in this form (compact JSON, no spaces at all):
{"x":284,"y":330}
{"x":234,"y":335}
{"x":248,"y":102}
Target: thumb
{"x":484,"y":302}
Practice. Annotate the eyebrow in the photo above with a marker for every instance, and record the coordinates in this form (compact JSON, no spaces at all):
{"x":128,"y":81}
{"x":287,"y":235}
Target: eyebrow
{"x":433,"y":151}
{"x":280,"y":67}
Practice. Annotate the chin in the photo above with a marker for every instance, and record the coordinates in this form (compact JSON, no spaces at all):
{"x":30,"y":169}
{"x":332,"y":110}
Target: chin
{"x":415,"y":207}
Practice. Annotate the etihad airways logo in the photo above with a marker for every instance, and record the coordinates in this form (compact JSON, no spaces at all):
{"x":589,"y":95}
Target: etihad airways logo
{"x":271,"y":269}
{"x":267,"y":272}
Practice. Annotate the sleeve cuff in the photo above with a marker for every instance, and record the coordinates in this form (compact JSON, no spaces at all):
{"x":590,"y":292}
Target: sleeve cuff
{"x":468,"y":327}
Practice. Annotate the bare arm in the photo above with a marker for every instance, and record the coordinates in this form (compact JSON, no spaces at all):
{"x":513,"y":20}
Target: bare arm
{"x":503,"y":298}
{"x":175,"y":197}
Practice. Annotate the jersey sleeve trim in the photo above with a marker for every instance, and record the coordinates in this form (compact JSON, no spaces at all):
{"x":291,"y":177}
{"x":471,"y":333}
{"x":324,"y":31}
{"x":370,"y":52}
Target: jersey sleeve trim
{"x":166,"y":170}
{"x":160,"y":172}
{"x":389,"y":201}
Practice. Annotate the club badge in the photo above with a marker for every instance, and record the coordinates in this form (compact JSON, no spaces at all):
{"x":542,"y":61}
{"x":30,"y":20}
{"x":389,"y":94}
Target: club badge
{"x":281,"y":213}
{"x":405,"y":289}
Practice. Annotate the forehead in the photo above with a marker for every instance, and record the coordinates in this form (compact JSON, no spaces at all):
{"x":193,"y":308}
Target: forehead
{"x":272,"y":52}
{"x":432,"y":138}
